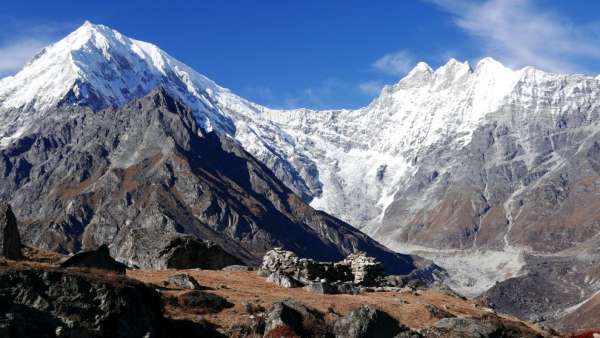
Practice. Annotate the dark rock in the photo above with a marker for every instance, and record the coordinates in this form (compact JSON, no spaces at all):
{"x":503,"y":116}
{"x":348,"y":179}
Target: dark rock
{"x":186,"y":328}
{"x":251,"y":326}
{"x":346,"y":288}
{"x":183,"y":280}
{"x":97,"y":259}
{"x":409,"y":334}
{"x":42,"y":303}
{"x":203,"y":302}
{"x":294,"y":318}
{"x":10,"y":240}
{"x":283,"y":280}
{"x":477,"y":328}
{"x":367,"y":322}
{"x":394,"y":281}
{"x":186,"y":252}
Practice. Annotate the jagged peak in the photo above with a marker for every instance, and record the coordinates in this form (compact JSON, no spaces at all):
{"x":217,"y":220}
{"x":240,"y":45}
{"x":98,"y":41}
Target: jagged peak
{"x":421,"y":67}
{"x":421,"y":72}
{"x":454,"y":66}
{"x":489,"y":62}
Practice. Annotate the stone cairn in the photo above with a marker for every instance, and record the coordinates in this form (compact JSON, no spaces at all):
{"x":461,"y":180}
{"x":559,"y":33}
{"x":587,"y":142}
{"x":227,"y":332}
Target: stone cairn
{"x":304,"y":269}
{"x":286,"y":269}
{"x":366,"y":270}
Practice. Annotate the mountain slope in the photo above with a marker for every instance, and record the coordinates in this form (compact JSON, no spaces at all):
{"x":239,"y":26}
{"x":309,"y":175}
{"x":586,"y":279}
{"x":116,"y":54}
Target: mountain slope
{"x":138,"y":175}
{"x":487,"y":170}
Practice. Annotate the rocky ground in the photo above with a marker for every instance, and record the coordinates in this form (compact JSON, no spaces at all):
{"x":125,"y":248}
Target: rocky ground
{"x":42,"y":299}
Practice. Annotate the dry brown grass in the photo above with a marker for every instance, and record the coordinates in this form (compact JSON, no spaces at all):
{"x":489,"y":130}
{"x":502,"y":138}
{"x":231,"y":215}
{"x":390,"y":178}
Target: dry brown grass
{"x":247,"y":287}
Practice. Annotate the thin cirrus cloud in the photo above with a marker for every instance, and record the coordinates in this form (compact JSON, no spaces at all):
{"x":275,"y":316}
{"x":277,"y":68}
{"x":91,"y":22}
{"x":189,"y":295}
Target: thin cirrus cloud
{"x":523,"y":33}
{"x":371,"y":88}
{"x":15,"y":54}
{"x":20,"y":41}
{"x":398,"y":63}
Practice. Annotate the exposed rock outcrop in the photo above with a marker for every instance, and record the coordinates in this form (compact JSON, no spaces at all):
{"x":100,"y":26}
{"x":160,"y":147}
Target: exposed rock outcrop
{"x":283,"y":280}
{"x":185,"y":252}
{"x":367,"y":322}
{"x":95,"y":259}
{"x":291,"y":317}
{"x":10,"y":240}
{"x":477,"y":327}
{"x":39,"y":303}
{"x":185,"y":281}
{"x":202,"y":302}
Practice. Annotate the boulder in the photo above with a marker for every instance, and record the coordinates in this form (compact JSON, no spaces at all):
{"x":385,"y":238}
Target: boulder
{"x":54,"y":303}
{"x":203,"y":302}
{"x":185,"y":281}
{"x":187,"y":252}
{"x":409,"y":334}
{"x":95,"y":259}
{"x":290,"y":318}
{"x":366,"y":270}
{"x":367,"y":322}
{"x":283,"y":280}
{"x":10,"y":240}
{"x":321,"y":287}
{"x":437,"y":312}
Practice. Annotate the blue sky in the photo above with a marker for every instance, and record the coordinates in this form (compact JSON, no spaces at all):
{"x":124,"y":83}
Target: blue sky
{"x":318,"y":53}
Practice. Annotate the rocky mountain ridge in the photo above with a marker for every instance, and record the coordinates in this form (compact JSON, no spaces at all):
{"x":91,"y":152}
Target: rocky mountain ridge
{"x":491,"y":172}
{"x":139,"y":176}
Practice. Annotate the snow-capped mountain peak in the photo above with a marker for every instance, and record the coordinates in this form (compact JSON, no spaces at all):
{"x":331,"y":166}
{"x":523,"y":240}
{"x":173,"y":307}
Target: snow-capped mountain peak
{"x":97,"y":66}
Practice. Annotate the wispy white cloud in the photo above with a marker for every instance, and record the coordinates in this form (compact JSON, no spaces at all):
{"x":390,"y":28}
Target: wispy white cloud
{"x":15,"y":54}
{"x":398,"y":63}
{"x":371,"y":88}
{"x":330,"y":93}
{"x":20,"y":41}
{"x":522,"y":32}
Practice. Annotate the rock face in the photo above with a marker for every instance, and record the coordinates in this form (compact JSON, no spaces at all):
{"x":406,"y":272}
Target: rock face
{"x":526,"y":296}
{"x":39,"y":303}
{"x":477,"y":327}
{"x":96,"y":259}
{"x":140,"y":176}
{"x":291,"y":317}
{"x":187,"y":252}
{"x":367,"y":322}
{"x":10,"y":242}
